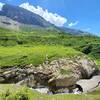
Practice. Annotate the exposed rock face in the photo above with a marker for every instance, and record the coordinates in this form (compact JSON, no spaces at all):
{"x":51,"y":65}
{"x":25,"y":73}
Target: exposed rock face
{"x":29,"y":76}
{"x":90,"y":85}
{"x":58,"y":74}
{"x":66,"y":72}
{"x":77,"y":68}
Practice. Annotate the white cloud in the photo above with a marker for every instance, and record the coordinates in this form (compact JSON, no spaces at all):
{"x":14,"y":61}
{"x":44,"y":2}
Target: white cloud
{"x":73,"y":23}
{"x":87,"y":29}
{"x":48,"y":16}
{"x":1,"y":6}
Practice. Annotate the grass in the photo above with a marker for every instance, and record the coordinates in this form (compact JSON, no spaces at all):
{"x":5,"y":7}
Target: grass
{"x":65,"y":71}
{"x":7,"y":92}
{"x":20,"y":55}
{"x":98,"y":62}
{"x":22,"y":48}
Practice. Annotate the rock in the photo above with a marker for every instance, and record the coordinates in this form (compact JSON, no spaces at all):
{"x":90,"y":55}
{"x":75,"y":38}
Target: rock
{"x":57,"y":74}
{"x":42,"y":90}
{"x":30,"y":82}
{"x":67,"y":71}
{"x":2,"y":79}
{"x":7,"y":72}
{"x":88,"y":65}
{"x":90,"y":85}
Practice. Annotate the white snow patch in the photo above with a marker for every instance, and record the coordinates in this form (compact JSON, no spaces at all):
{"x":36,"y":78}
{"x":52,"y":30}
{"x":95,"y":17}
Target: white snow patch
{"x":1,"y":5}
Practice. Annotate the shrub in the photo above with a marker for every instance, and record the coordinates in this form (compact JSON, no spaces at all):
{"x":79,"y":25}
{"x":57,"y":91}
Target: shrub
{"x":87,"y":49}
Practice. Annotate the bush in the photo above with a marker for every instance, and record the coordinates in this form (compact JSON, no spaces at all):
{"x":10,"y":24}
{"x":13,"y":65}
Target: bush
{"x":87,"y":49}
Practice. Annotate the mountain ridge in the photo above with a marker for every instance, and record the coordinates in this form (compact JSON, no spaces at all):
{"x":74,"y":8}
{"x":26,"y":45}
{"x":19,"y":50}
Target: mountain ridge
{"x":23,"y":16}
{"x":16,"y":18}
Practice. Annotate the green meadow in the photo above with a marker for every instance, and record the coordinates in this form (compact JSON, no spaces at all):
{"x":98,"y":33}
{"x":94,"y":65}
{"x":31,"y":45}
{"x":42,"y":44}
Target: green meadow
{"x":21,"y":55}
{"x":22,"y":48}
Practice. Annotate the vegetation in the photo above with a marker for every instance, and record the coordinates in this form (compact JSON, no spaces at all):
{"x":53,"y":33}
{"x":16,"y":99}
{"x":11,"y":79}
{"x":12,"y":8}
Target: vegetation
{"x":22,"y":48}
{"x":21,"y":55}
{"x":65,"y":71}
{"x":7,"y":92}
{"x":18,"y":48}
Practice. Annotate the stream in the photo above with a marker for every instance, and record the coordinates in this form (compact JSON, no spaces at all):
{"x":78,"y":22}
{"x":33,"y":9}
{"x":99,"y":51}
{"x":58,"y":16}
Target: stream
{"x":46,"y":90}
{"x":82,"y":86}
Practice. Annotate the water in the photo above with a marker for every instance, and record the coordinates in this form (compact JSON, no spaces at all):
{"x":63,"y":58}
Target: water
{"x":46,"y":90}
{"x":42,"y":90}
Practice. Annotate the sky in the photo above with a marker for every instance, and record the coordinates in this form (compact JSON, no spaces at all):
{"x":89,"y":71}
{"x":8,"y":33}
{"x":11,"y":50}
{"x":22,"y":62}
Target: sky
{"x":76,"y":14}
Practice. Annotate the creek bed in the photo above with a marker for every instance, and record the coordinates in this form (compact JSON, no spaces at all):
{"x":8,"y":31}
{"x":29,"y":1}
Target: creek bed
{"x":45,"y":90}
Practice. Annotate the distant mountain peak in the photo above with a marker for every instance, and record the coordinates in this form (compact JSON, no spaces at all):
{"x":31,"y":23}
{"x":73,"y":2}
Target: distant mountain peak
{"x":18,"y":18}
{"x":22,"y":15}
{"x":51,"y":17}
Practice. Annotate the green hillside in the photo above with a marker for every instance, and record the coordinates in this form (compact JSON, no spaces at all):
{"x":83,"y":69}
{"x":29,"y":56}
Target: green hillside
{"x":22,"y":55}
{"x":20,"y":48}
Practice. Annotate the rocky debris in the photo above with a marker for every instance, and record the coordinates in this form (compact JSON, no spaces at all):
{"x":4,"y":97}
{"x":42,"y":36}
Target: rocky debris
{"x":42,"y":90}
{"x":29,"y":76}
{"x":14,"y":75}
{"x":29,"y":81}
{"x":89,"y":85}
{"x":58,"y":75}
{"x":66,"y":72}
{"x":2,"y":79}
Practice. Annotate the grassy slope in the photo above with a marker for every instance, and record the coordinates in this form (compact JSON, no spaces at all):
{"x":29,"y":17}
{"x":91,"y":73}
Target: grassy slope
{"x":10,"y":40}
{"x":7,"y":92}
{"x":20,"y":55}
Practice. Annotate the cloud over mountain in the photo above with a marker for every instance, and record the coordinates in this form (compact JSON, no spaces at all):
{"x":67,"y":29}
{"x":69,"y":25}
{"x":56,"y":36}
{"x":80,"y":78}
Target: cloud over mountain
{"x":73,"y":23}
{"x":48,"y":16}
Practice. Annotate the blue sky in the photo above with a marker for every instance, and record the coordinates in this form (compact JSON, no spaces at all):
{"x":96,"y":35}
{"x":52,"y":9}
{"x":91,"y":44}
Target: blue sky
{"x":80,"y":14}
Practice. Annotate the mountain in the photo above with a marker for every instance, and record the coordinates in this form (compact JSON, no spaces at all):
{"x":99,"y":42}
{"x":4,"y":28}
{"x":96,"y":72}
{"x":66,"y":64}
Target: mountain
{"x":15,"y":15}
{"x":74,"y":31}
{"x":17,"y":18}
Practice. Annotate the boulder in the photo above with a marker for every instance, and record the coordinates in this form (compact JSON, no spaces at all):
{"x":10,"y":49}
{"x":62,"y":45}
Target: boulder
{"x":89,"y":85}
{"x":67,"y":71}
{"x":29,"y":81}
{"x":2,"y":79}
{"x":57,"y":74}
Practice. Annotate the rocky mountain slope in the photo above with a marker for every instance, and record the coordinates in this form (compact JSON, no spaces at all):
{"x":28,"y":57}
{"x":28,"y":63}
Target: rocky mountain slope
{"x":20,"y":15}
{"x":17,"y":18}
{"x":74,"y":31}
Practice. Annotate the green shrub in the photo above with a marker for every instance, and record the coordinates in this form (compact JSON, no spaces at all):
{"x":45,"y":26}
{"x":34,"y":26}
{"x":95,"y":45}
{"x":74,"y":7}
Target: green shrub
{"x":87,"y":49}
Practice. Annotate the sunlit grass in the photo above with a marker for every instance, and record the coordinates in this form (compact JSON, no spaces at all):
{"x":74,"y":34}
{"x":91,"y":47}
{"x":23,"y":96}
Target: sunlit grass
{"x":20,"y":55}
{"x":98,"y":62}
{"x":13,"y":92}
